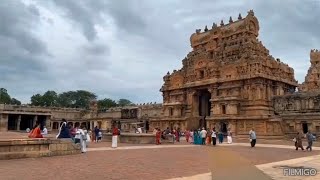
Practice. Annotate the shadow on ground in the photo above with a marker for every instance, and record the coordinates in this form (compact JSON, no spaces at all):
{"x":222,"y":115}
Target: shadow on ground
{"x":226,"y":164}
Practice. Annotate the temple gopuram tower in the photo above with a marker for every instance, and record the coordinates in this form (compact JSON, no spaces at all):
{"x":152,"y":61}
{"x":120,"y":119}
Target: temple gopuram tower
{"x":226,"y":81}
{"x":312,"y":79}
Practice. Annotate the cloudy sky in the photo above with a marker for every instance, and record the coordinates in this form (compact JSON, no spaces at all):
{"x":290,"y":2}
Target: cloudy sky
{"x":122,"y":49}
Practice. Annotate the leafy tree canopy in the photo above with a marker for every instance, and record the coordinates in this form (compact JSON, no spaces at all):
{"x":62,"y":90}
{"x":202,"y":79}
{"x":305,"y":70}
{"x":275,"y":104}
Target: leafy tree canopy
{"x":5,"y":98}
{"x":75,"y":99}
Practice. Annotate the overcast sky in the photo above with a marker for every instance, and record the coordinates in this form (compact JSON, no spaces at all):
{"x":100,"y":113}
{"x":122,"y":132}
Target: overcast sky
{"x":122,"y":49}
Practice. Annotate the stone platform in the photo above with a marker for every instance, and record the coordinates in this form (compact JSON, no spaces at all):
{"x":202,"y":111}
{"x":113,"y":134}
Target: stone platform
{"x":33,"y":148}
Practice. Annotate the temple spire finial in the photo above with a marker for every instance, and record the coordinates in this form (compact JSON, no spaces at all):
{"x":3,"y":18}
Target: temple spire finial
{"x":206,"y":29}
{"x":214,"y":25}
{"x":230,"y":20}
{"x":251,"y":12}
{"x":222,"y":23}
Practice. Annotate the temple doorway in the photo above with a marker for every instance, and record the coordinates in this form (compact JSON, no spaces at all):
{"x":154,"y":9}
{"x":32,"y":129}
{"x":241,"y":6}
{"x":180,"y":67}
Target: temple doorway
{"x":204,"y":102}
{"x":223,"y":127}
{"x":55,"y":125}
{"x":203,"y":123}
{"x":147,"y":126}
{"x":26,"y":122}
{"x":42,"y":121}
{"x":12,"y":122}
{"x":305,"y":127}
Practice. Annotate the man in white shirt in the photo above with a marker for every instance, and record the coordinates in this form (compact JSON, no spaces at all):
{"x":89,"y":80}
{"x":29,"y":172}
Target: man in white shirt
{"x":44,"y":131}
{"x":203,"y":136}
{"x":140,"y":130}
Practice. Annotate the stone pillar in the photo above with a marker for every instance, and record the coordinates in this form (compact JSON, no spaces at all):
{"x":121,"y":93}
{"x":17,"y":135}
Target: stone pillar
{"x":268,"y":92}
{"x":48,"y":123}
{"x":3,"y":122}
{"x":18,"y":123}
{"x":35,"y":119}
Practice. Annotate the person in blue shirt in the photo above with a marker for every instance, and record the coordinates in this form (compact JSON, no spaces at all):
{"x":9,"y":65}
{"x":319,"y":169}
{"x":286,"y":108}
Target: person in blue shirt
{"x":253,"y":137}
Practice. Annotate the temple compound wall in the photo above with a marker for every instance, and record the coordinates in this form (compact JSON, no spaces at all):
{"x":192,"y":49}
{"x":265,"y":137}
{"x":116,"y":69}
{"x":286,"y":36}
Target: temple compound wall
{"x":300,"y":111}
{"x":19,"y":118}
{"x":227,"y":81}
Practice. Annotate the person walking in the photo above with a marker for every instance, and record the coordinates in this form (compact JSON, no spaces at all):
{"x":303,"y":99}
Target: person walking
{"x":253,"y":137}
{"x":229,"y":137}
{"x":203,"y":134}
{"x":83,"y":138}
{"x":115,"y":134}
{"x":298,"y":142}
{"x":187,"y":135}
{"x":158,"y":136}
{"x":214,"y":136}
{"x":310,"y":140}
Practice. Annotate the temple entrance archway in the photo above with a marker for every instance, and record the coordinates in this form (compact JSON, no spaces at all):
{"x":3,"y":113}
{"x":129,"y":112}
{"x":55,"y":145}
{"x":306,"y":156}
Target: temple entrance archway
{"x":204,"y":97}
{"x":305,"y":127}
{"x":223,"y":127}
{"x":203,"y":123}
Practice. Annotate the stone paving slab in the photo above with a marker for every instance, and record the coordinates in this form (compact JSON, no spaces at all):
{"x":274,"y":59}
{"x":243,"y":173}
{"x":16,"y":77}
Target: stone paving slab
{"x":267,"y":145}
{"x":275,"y":169}
{"x":226,"y":164}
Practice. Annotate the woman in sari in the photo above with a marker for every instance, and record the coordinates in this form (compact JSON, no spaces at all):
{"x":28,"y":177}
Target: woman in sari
{"x":64,"y":131}
{"x":187,"y":135}
{"x":208,"y":139}
{"x":195,"y":137}
{"x":220,"y":137}
{"x":191,"y":140}
{"x":36,"y":131}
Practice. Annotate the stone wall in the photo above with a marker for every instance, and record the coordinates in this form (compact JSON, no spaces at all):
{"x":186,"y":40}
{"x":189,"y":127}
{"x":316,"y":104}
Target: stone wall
{"x":299,"y":111}
{"x":32,"y":148}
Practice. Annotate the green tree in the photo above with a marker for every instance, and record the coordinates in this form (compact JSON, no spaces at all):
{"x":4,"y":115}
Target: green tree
{"x":124,"y":102}
{"x":76,"y":99}
{"x":15,"y":101}
{"x":82,"y":98}
{"x":49,"y":98}
{"x":4,"y":96}
{"x":37,"y":100}
{"x":106,"y":103}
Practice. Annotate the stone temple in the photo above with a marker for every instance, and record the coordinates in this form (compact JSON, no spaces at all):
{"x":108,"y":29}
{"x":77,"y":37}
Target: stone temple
{"x":228,"y":81}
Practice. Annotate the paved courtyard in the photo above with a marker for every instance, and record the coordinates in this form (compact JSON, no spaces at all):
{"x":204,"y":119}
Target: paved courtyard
{"x":152,"y":162}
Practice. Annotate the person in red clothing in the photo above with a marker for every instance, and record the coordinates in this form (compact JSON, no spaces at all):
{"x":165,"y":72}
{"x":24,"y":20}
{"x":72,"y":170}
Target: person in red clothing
{"x":187,"y":135}
{"x":158,"y":136}
{"x":115,"y":134}
{"x":36,"y":131}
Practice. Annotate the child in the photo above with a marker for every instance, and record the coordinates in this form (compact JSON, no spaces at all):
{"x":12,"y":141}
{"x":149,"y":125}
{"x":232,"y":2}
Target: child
{"x":99,"y":136}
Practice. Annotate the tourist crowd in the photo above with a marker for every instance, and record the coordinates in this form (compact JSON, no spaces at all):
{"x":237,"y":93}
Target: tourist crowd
{"x":80,"y":135}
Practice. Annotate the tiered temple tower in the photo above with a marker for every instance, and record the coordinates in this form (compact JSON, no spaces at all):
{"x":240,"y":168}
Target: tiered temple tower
{"x":226,"y":81}
{"x":312,"y":79}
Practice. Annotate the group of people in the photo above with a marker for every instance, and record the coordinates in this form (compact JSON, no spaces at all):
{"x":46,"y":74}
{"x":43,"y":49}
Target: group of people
{"x":298,"y":141}
{"x":206,"y":137}
{"x":36,"y":131}
{"x":201,"y":137}
{"x":162,"y":135}
{"x":79,"y":134}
